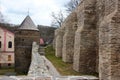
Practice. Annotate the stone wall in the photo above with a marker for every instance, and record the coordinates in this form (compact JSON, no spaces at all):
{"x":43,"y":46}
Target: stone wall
{"x":40,"y":66}
{"x":23,"y":49}
{"x":59,"y":41}
{"x":109,"y":57}
{"x":68,"y":38}
{"x":37,"y":67}
{"x":96,"y":40}
{"x":85,"y":39}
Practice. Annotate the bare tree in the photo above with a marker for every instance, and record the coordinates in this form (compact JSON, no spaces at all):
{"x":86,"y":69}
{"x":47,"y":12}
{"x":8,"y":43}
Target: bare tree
{"x":57,"y":19}
{"x":71,"y":5}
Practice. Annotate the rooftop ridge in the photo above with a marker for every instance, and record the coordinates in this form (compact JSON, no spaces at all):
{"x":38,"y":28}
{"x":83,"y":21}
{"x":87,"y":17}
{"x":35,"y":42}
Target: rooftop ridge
{"x":28,"y":24}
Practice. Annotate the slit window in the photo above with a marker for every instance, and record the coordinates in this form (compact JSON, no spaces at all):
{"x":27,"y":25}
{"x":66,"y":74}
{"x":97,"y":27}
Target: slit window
{"x":0,"y":44}
{"x":9,"y":44}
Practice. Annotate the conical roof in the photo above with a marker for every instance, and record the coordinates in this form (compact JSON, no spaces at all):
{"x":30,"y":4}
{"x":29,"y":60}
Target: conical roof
{"x":28,"y":24}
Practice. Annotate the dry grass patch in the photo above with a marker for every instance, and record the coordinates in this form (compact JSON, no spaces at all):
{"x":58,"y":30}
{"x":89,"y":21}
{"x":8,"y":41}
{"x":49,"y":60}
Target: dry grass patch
{"x":64,"y":69}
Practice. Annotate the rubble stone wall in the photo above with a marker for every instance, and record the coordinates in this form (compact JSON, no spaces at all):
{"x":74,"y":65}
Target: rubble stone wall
{"x":23,"y":49}
{"x":85,"y":39}
{"x":96,"y":38}
{"x":68,"y":38}
{"x":59,"y":41}
{"x":109,"y":57}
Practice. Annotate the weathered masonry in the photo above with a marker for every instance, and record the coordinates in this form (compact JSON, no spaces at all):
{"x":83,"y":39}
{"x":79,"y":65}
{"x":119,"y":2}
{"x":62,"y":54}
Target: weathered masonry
{"x":59,"y":40}
{"x":91,"y":38}
{"x":68,"y":38}
{"x":85,"y":38}
{"x":25,"y":35}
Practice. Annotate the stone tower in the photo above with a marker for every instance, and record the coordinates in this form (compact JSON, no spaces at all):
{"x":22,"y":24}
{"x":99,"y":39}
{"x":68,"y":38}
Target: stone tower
{"x":24,"y":37}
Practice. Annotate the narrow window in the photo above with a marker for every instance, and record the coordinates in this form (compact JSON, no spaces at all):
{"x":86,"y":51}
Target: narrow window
{"x":0,"y":44}
{"x":0,"y":65}
{"x":9,"y":44}
{"x":9,"y":58}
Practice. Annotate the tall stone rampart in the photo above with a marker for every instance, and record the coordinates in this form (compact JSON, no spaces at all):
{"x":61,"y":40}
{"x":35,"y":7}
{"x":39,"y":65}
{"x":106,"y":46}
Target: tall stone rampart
{"x":109,"y":41}
{"x":59,"y":41}
{"x":96,"y":40}
{"x":85,"y":38}
{"x":68,"y":38}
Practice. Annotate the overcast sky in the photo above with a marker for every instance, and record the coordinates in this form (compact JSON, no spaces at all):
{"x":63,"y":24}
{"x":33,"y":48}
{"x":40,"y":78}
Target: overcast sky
{"x":39,"y":10}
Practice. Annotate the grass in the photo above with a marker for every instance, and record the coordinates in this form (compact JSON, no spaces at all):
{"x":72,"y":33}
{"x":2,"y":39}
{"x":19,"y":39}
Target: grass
{"x":4,"y":71}
{"x":65,"y":69}
{"x":10,"y":71}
